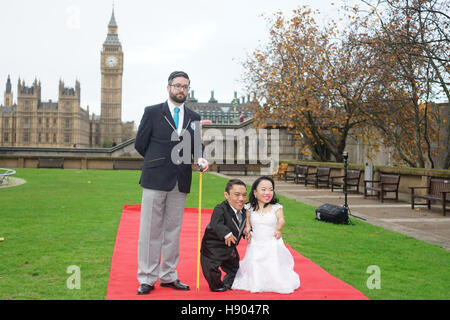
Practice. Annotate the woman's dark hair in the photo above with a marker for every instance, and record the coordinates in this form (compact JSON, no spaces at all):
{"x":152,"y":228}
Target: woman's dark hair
{"x":252,"y":199}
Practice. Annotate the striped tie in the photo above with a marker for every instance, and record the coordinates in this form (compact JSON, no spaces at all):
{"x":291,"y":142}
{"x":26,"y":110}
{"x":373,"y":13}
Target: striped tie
{"x":239,"y":216}
{"x":176,"y":117}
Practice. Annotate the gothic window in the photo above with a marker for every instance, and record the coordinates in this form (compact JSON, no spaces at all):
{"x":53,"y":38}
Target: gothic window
{"x":68,"y":124}
{"x":26,"y":123}
{"x":6,"y":137}
{"x":6,"y":123}
{"x":27,"y":105}
{"x":26,"y":137}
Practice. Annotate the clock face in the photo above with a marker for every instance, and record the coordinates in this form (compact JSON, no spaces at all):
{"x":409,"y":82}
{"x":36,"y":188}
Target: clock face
{"x":111,"y":61}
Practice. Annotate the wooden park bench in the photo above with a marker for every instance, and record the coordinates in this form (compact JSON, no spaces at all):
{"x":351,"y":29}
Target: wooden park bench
{"x":353,"y":177}
{"x":299,"y":174}
{"x":5,"y":174}
{"x":53,"y":163}
{"x":438,"y":189}
{"x":386,"y":183}
{"x":321,"y":176}
{"x":232,"y":167}
{"x":127,"y":164}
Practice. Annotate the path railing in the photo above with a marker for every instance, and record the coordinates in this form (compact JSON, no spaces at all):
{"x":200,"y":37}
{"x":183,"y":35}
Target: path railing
{"x":5,"y":174}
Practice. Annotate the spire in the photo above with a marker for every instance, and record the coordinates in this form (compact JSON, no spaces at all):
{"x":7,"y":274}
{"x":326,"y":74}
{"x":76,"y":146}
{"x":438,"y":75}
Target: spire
{"x":212,"y":99}
{"x":8,"y":85}
{"x":112,"y":22}
{"x":236,"y":99}
{"x":112,"y":39}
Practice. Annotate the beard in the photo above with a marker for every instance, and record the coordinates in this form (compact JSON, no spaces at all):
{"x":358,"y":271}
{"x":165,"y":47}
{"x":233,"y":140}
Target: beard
{"x":178,"y":98}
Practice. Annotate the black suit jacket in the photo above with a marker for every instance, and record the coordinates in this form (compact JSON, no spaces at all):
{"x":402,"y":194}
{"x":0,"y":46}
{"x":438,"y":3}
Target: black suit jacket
{"x":157,"y":138}
{"x":223,"y":221}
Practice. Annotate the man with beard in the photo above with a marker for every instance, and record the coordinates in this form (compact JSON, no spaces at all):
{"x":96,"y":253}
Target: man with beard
{"x":166,"y":181}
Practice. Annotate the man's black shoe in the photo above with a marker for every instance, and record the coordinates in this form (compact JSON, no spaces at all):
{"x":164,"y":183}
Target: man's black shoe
{"x":145,"y":289}
{"x":177,"y":285}
{"x":221,"y":289}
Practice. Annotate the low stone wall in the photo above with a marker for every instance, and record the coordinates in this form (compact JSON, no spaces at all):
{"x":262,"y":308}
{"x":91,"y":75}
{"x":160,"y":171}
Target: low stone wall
{"x":70,"y":162}
{"x":97,"y":163}
{"x":103,"y":160}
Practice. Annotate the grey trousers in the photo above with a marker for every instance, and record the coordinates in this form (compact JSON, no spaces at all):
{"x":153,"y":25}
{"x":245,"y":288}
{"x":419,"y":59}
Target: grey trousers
{"x":159,"y":235}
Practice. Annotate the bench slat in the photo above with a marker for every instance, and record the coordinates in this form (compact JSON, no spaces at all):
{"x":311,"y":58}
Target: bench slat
{"x":232,"y":167}
{"x":386,"y":183}
{"x":51,"y":163}
{"x":435,"y":191}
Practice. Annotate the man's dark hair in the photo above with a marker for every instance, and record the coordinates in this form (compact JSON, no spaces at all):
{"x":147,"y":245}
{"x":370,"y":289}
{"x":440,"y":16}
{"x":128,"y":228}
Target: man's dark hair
{"x":177,"y":74}
{"x":232,"y":182}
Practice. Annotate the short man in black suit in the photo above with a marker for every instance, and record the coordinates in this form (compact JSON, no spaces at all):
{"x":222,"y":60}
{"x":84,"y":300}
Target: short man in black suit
{"x":167,"y":140}
{"x":221,"y":237}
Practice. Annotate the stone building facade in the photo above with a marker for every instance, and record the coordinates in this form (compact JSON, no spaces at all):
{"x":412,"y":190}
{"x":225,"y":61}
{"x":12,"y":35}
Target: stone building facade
{"x":220,"y":113}
{"x":32,"y":122}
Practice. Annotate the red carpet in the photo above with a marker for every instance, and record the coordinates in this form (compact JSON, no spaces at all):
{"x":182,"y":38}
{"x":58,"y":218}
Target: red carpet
{"x":316,"y":283}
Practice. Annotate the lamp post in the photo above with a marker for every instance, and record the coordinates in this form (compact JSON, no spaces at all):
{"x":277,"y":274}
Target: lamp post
{"x":345,"y":156}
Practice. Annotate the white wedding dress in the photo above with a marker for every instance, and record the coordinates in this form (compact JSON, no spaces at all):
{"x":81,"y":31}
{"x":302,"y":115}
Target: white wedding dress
{"x":268,"y":266}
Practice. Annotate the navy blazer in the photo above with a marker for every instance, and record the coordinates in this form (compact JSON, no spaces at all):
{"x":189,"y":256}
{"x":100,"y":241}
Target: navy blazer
{"x":223,"y":221}
{"x":157,"y":139}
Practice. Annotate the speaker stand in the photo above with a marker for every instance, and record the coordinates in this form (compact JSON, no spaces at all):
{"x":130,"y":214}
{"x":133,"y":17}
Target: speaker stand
{"x":345,"y":156}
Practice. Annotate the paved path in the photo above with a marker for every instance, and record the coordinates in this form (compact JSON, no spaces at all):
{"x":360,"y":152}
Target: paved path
{"x":13,"y":182}
{"x":423,"y":224}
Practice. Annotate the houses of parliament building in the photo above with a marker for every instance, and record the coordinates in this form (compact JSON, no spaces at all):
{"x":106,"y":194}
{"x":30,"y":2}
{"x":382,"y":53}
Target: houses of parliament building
{"x":32,"y":122}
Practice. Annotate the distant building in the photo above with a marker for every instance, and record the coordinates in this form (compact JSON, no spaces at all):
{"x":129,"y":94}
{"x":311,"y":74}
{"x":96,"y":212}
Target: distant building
{"x":32,"y":122}
{"x":219,"y":113}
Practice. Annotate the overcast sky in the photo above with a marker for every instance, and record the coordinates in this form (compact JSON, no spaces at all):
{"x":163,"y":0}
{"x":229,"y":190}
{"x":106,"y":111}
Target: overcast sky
{"x":51,"y":40}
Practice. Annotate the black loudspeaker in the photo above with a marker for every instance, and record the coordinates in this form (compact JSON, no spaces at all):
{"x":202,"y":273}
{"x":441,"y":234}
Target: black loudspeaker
{"x":332,"y":213}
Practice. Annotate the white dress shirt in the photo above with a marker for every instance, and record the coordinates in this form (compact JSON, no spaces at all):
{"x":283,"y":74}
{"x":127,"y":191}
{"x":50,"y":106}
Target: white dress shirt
{"x":235,"y":213}
{"x":181,"y":114}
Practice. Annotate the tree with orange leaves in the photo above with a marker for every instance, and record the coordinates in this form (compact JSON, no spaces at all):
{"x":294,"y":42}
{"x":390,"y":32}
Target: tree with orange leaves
{"x":311,"y":80}
{"x":325,"y":84}
{"x":409,"y":44}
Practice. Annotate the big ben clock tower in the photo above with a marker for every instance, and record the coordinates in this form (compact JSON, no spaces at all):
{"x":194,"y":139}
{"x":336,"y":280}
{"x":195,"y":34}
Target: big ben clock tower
{"x":111,"y":97}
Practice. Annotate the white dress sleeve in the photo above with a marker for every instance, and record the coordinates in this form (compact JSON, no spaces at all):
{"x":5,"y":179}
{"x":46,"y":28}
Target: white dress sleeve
{"x":276,"y":206}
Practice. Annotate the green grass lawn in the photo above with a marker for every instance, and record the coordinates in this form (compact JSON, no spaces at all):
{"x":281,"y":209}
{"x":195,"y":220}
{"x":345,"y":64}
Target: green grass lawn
{"x":61,"y":218}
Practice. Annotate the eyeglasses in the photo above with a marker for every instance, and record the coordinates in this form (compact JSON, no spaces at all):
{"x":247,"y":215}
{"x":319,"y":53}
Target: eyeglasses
{"x":179,"y":86}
